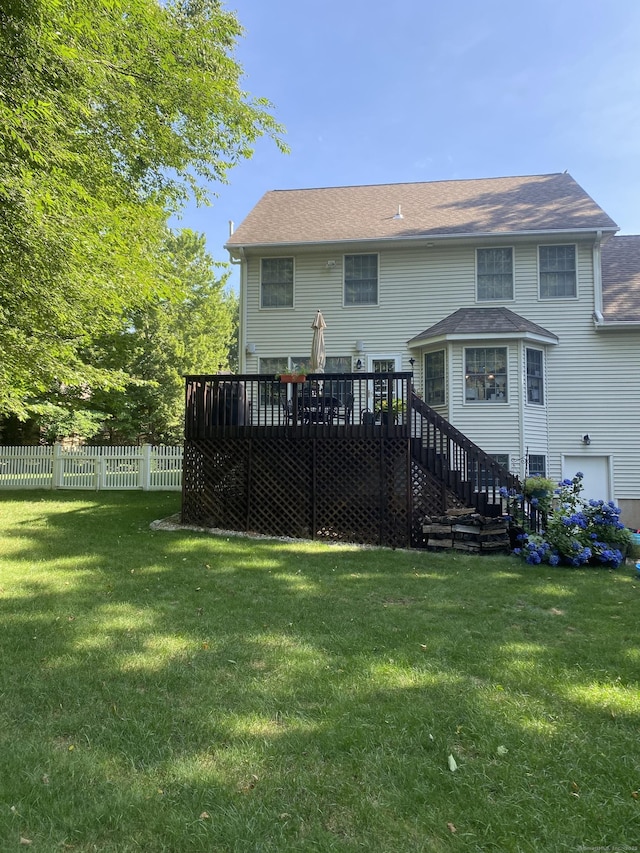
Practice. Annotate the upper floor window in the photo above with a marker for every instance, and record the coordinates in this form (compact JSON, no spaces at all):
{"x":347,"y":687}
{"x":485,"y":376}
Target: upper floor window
{"x":276,"y":283}
{"x":535,"y":377}
{"x":360,"y":279}
{"x":486,"y":374}
{"x":557,"y":265}
{"x":495,"y":273}
{"x":434,"y":378}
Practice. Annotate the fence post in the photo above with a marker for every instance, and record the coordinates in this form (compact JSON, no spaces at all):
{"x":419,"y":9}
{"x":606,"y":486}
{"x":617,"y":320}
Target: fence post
{"x":58,"y":466}
{"x":100,"y":472}
{"x":145,"y":468}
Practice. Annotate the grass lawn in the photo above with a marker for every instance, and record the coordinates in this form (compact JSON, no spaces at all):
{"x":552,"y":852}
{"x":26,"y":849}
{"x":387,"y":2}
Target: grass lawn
{"x":174,"y":691}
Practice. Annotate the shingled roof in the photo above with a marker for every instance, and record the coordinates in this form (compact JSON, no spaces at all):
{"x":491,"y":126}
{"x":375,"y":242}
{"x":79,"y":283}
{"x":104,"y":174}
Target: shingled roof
{"x":531,"y":203}
{"x":621,"y":279}
{"x":481,"y":322}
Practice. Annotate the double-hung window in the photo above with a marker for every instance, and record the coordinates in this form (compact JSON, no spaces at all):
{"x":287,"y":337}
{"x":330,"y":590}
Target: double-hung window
{"x":557,"y":266}
{"x":486,"y":374}
{"x":537,"y":465}
{"x":360,"y":280}
{"x":535,"y":377}
{"x":275,"y":392}
{"x":276,"y":283}
{"x":494,"y":274}
{"x":434,"y":378}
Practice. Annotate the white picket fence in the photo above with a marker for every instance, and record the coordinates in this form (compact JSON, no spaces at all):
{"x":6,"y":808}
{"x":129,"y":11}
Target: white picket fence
{"x":147,"y":467}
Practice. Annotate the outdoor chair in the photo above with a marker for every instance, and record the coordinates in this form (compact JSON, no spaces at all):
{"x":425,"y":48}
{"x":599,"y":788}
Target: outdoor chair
{"x":344,"y":412}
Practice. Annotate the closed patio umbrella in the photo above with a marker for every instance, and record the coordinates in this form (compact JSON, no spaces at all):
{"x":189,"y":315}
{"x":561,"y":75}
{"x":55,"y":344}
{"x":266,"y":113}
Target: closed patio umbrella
{"x":318,"y":354}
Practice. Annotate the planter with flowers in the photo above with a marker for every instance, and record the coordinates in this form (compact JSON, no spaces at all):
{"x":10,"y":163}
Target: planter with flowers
{"x":299,"y":375}
{"x":539,"y":491}
{"x":382,"y":410}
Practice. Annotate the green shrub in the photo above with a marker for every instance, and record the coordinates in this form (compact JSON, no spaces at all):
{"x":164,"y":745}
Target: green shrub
{"x":579,"y":532}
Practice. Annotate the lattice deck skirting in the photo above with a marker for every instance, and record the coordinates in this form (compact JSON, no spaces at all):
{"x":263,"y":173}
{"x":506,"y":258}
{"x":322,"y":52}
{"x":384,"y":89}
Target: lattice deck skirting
{"x":351,"y":489}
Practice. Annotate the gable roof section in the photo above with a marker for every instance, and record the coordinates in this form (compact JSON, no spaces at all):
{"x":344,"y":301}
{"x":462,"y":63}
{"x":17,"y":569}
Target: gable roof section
{"x":474,"y":323}
{"x":534,"y":203}
{"x":621,"y":279}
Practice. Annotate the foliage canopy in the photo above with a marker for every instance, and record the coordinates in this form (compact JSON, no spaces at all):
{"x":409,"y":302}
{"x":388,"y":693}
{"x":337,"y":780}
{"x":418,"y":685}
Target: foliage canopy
{"x":111,"y":116}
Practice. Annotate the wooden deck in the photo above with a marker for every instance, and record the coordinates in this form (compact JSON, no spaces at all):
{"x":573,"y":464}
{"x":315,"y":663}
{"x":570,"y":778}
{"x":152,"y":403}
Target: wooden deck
{"x":341,"y":457}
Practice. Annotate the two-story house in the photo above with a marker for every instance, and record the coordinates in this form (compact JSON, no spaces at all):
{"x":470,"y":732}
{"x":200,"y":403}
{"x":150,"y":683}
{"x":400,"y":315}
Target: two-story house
{"x":510,"y":299}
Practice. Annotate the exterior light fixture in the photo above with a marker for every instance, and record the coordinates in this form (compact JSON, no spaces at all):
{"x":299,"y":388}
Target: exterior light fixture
{"x":412,"y":361}
{"x":359,"y":346}
{"x":586,"y":439}
{"x":250,"y":349}
{"x":359,"y":364}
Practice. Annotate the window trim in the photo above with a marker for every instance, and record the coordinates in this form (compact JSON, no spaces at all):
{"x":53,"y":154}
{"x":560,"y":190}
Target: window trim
{"x":291,"y":258}
{"x":346,"y":304}
{"x":513,"y":275}
{"x":444,"y":377}
{"x":528,"y":400}
{"x":537,"y":456}
{"x":575,"y":271}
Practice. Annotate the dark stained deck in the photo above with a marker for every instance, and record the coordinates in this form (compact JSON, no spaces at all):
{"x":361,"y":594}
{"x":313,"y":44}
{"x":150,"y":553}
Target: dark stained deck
{"x":343,"y":457}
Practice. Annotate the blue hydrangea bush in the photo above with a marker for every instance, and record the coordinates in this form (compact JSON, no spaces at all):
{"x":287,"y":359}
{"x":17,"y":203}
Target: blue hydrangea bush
{"x":578,"y":532}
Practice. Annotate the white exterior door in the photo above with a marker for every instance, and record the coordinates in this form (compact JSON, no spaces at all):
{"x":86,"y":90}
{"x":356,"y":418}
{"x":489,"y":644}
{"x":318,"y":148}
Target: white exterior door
{"x":384,"y":363}
{"x":597,"y":475}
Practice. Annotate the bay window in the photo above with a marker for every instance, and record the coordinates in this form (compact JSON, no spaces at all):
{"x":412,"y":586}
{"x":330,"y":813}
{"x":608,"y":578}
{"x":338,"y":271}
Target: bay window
{"x":535,"y":377}
{"x":434,"y":384}
{"x":486,"y":374}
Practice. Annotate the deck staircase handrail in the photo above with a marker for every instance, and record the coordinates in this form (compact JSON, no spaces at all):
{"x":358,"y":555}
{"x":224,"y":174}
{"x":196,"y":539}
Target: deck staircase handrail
{"x":464,"y":467}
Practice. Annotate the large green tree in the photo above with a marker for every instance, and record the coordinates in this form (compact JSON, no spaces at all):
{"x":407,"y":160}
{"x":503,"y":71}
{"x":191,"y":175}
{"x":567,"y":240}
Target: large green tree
{"x":112,"y":112}
{"x":156,"y":345}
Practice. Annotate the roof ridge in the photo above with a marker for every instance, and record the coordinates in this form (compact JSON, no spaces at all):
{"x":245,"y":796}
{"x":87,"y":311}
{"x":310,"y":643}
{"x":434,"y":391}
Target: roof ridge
{"x":418,"y":183}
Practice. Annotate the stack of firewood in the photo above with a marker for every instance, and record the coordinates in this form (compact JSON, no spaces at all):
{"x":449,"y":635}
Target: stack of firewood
{"x":466,"y":530}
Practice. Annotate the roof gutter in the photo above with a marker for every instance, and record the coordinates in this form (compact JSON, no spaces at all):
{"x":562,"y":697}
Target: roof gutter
{"x":602,"y":325}
{"x":425,"y":238}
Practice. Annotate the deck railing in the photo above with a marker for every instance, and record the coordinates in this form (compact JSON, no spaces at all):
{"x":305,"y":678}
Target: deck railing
{"x":323,"y":404}
{"x":457,"y":462}
{"x":343,"y":405}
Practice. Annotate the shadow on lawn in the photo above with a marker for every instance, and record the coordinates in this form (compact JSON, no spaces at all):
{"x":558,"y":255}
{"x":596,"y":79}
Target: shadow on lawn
{"x":305,"y":697}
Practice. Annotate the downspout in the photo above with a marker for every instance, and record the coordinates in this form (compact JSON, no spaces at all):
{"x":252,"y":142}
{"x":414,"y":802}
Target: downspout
{"x":242,"y":303}
{"x":598,"y":317}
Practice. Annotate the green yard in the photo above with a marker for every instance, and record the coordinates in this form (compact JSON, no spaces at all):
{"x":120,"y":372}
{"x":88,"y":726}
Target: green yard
{"x":174,"y":691}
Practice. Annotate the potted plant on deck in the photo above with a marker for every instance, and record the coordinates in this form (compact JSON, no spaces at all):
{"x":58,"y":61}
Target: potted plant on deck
{"x":382,"y":409}
{"x":299,"y":374}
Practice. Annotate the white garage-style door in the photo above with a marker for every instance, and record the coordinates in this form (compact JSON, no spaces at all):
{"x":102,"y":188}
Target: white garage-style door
{"x":596,"y":482}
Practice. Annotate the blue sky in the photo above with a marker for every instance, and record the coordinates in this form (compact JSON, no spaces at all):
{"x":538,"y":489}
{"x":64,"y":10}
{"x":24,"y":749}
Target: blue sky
{"x":427,"y":91}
